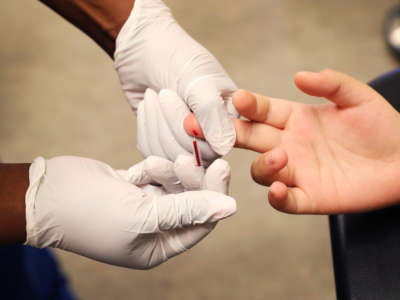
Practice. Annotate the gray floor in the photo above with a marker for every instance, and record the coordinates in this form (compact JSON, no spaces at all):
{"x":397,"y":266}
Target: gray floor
{"x":60,"y":95}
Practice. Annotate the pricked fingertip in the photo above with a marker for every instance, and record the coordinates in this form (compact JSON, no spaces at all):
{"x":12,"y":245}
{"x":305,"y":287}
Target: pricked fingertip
{"x":192,"y":126}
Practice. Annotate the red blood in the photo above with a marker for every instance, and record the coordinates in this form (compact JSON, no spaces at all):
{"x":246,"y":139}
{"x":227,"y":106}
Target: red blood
{"x":194,"y":132}
{"x":196,"y":153}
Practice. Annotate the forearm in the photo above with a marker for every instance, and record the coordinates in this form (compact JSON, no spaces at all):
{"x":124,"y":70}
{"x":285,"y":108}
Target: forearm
{"x":99,"y":19}
{"x":14,"y":181}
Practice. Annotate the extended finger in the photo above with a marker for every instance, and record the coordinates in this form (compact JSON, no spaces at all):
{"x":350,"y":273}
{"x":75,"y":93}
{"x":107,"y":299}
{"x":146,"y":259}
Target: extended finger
{"x":256,"y":136}
{"x":249,"y":135}
{"x":337,"y":87}
{"x":259,"y":108}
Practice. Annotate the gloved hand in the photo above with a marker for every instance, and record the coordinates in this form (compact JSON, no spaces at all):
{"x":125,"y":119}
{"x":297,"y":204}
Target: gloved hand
{"x":160,"y":128}
{"x":117,"y":216}
{"x":153,"y":51}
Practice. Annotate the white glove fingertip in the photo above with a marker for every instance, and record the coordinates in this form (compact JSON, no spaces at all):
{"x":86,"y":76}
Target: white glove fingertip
{"x":222,"y":207}
{"x":217,"y":177}
{"x":209,"y":109}
{"x":189,"y":174}
{"x":162,"y":171}
{"x":136,"y":174}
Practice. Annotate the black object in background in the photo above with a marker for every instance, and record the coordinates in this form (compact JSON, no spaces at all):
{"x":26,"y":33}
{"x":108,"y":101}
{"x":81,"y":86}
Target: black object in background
{"x":391,"y":30}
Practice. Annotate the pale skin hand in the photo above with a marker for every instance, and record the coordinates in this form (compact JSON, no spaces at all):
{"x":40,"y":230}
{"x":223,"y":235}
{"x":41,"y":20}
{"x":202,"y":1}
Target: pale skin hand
{"x":337,"y":157}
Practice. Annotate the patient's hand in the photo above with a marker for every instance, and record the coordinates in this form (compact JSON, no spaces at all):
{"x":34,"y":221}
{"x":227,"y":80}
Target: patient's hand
{"x":341,"y":156}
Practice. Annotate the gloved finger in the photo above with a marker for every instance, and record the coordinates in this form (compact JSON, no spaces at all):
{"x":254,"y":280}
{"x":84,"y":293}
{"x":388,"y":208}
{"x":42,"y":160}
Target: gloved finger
{"x":189,"y":174}
{"x":175,"y":110}
{"x":182,"y":239}
{"x":169,"y":141}
{"x":135,"y":174}
{"x":150,"y":109}
{"x":153,"y":170}
{"x":217,"y":177}
{"x":165,"y":139}
{"x":142,"y":138}
{"x":208,"y":104}
{"x":162,"y":172}
{"x":192,"y":208}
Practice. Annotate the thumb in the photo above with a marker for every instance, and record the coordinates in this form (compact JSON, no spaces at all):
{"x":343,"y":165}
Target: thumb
{"x":337,"y":87}
{"x":211,"y":110}
{"x":193,"y":208}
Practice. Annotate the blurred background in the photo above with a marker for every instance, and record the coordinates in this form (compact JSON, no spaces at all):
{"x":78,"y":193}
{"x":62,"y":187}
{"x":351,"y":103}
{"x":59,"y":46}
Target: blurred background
{"x":59,"y":94}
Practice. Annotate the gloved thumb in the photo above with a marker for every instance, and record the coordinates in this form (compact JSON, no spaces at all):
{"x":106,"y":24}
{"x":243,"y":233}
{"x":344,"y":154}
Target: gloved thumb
{"x":193,"y":208}
{"x":210,"y":106}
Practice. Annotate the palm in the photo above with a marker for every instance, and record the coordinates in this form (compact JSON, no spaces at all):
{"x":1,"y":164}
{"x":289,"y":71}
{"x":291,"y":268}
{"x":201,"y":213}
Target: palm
{"x":336,"y":154}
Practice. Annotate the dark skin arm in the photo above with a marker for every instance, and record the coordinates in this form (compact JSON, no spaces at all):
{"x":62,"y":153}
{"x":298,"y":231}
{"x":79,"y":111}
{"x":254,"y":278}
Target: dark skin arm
{"x":99,"y":19}
{"x":14,"y":181}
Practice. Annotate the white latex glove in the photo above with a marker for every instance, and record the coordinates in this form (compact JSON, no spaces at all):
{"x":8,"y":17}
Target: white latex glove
{"x":116,"y":216}
{"x":160,"y":128}
{"x":153,"y":51}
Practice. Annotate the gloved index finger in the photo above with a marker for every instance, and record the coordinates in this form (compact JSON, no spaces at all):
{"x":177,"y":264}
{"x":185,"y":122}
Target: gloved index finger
{"x":162,"y":171}
{"x":153,"y":169}
{"x":189,"y":174}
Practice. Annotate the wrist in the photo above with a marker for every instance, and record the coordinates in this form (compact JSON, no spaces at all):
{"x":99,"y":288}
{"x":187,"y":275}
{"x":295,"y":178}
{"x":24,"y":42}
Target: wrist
{"x":14,"y":181}
{"x":101,"y":20}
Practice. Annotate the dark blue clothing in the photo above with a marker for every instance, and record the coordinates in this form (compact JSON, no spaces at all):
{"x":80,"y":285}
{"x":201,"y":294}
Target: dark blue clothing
{"x":31,"y":273}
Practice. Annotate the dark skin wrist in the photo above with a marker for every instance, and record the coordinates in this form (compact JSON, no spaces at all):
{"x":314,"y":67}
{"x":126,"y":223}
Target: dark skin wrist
{"x":99,"y":19}
{"x":14,"y":182}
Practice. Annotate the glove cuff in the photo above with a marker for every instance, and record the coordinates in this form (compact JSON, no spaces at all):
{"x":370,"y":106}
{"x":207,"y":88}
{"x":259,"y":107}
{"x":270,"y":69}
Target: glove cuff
{"x":36,"y":173}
